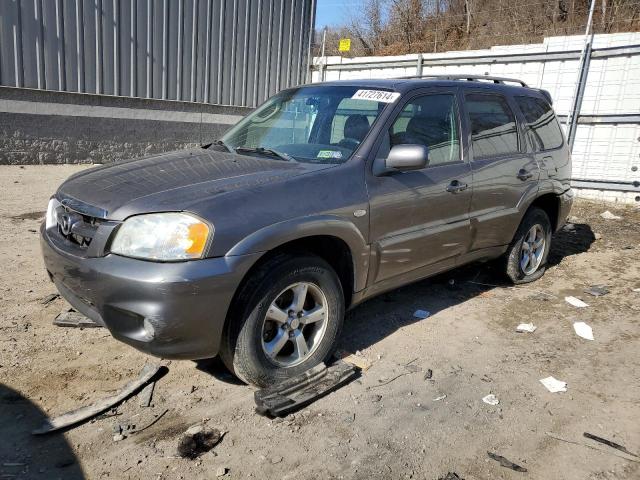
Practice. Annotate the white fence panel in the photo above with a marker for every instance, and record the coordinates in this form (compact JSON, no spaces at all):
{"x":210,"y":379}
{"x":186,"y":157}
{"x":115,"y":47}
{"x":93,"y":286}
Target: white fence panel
{"x":606,"y":154}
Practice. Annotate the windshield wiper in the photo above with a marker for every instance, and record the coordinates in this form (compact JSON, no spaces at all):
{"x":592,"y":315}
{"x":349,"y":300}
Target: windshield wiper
{"x":266,"y":151}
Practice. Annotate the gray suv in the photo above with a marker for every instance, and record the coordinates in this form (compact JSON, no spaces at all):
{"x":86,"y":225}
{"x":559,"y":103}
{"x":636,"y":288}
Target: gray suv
{"x":252,"y":247}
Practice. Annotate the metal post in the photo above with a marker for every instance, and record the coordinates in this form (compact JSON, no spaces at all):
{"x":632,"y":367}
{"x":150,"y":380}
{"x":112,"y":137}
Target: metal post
{"x":323,"y":65}
{"x":312,"y":39}
{"x":419,"y":66}
{"x":583,"y":70}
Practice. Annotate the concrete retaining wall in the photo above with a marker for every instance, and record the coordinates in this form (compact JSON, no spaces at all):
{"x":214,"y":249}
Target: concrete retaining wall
{"x":41,"y":127}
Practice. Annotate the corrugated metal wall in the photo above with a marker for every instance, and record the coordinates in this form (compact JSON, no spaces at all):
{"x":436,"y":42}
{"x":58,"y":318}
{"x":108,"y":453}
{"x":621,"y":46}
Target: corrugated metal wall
{"x":229,"y":52}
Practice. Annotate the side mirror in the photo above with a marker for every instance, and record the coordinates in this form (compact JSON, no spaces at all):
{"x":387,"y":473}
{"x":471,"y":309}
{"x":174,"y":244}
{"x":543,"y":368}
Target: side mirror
{"x":407,"y":157}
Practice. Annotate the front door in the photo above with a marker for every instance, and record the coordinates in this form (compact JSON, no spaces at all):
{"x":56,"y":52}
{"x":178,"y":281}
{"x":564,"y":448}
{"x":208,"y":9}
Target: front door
{"x":419,"y":219}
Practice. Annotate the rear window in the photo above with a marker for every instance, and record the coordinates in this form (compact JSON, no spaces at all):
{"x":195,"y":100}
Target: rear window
{"x":493,"y":126}
{"x":542,"y":122}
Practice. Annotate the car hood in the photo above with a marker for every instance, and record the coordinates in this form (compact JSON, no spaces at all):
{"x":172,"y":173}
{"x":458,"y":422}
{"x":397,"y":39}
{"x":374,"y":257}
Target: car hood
{"x":170,"y":181}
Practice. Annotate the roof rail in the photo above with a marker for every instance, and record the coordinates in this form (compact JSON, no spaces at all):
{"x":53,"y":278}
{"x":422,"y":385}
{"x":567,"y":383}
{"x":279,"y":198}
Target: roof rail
{"x":470,"y":78}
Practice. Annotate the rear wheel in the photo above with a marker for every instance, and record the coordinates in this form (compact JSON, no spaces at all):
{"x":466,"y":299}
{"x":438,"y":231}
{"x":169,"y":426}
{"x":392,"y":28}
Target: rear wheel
{"x":286,"y":319}
{"x":526,"y":258}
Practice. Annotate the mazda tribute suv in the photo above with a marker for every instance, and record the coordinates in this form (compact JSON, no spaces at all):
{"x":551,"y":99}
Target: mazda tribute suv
{"x":252,"y":247}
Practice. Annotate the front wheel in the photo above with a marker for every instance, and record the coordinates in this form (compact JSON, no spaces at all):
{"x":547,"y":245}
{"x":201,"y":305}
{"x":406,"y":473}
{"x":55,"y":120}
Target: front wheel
{"x":526,"y":258}
{"x":286,"y":319}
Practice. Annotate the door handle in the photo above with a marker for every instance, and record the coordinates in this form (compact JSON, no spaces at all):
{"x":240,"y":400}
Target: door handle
{"x":456,"y":186}
{"x":524,"y":174}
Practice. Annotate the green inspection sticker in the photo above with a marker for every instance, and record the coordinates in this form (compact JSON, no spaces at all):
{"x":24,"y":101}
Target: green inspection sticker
{"x":329,"y":154}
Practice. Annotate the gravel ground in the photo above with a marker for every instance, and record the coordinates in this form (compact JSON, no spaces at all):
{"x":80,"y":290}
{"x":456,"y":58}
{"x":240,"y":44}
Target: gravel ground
{"x":375,"y":427}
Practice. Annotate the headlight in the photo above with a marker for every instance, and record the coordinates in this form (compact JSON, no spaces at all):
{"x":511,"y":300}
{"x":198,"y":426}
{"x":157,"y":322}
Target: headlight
{"x":51,"y":220}
{"x":162,"y":236}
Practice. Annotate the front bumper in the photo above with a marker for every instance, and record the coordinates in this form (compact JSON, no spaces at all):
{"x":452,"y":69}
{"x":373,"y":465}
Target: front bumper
{"x":170,"y":310}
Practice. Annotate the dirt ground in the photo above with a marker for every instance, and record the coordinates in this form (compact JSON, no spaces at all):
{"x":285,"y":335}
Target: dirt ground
{"x":375,"y":427}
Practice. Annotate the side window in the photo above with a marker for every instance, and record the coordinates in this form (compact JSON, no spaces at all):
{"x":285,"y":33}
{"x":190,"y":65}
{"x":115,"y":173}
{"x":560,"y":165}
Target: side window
{"x":493,"y":125}
{"x":352,"y":120}
{"x":542,"y":122}
{"x":432,"y":121}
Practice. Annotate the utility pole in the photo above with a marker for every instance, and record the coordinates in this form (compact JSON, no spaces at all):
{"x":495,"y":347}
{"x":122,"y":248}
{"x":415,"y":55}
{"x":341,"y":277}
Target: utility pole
{"x":583,"y":70}
{"x":324,"y":59}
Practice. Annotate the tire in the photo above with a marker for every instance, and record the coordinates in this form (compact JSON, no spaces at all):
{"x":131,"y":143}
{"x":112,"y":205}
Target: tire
{"x":250,"y":332}
{"x":515,"y":255}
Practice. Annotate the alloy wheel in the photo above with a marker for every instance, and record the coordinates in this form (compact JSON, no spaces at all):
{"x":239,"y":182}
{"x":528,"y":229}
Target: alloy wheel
{"x":532,"y":251}
{"x":294,"y":324}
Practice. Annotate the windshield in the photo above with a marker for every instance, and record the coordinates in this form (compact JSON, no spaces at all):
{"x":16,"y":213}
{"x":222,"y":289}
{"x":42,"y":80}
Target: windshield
{"x":315,"y":124}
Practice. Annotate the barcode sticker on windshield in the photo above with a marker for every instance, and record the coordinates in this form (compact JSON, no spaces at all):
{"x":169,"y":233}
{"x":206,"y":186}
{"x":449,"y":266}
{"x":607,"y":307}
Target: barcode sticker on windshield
{"x":329,"y":154}
{"x":376,"y":96}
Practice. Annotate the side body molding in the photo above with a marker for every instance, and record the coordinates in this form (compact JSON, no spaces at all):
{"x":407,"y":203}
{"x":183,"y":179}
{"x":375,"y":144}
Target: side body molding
{"x":275,"y":235}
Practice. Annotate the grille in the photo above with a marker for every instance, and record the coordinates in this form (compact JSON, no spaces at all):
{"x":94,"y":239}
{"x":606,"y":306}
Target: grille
{"x":75,"y":227}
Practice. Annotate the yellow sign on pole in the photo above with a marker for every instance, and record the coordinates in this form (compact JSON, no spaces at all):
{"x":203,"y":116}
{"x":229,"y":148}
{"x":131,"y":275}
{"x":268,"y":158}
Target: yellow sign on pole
{"x":345,"y":45}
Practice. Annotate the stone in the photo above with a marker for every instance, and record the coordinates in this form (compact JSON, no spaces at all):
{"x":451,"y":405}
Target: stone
{"x":221,"y":471}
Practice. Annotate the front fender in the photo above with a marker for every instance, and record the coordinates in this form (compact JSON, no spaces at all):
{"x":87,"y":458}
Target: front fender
{"x":273,"y":236}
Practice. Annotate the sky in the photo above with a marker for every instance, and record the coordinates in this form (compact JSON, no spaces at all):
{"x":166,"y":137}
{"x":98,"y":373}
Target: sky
{"x":335,"y":12}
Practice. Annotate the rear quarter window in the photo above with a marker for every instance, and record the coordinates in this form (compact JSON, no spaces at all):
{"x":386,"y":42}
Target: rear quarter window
{"x":542,"y":121}
{"x":493,"y":125}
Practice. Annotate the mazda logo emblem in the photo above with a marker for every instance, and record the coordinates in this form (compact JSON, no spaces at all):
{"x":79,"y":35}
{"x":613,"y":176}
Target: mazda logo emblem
{"x":66,"y":222}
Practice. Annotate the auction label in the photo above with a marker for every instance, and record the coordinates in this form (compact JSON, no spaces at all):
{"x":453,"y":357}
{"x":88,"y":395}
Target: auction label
{"x":376,"y":96}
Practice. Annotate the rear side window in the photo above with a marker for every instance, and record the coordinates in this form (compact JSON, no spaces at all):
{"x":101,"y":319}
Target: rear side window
{"x":542,"y":122}
{"x":493,"y":126}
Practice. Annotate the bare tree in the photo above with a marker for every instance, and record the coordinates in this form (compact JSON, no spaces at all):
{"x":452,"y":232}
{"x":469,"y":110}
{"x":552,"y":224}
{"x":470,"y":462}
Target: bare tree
{"x":393,"y":27}
{"x":467,"y":11}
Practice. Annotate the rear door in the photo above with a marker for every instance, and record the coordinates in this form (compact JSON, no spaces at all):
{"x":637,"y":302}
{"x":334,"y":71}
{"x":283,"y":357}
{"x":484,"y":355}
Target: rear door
{"x":505,"y":172}
{"x":548,"y":141}
{"x":419,"y":219}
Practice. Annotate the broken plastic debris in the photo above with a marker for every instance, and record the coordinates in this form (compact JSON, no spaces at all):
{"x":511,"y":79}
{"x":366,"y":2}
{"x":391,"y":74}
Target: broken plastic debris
{"x":491,"y":399}
{"x":71,"y":318}
{"x":526,"y":327}
{"x":607,"y":215}
{"x":617,"y":446}
{"x":506,"y":463}
{"x":554,"y":385}
{"x":597,"y":290}
{"x":147,"y":394}
{"x":451,"y":476}
{"x":353,"y":359}
{"x":583,"y":330}
{"x":576,"y":302}
{"x":611,"y":444}
{"x":297,"y":392}
{"x":441,"y":397}
{"x":49,"y":298}
{"x":85,"y":413}
{"x":636,"y":290}
{"x":421,"y":314}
